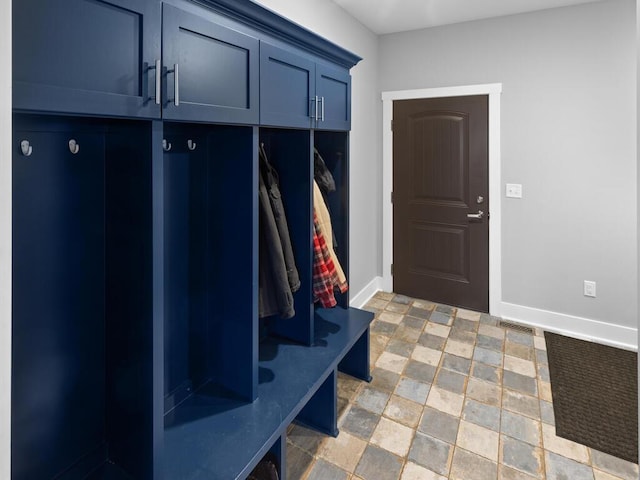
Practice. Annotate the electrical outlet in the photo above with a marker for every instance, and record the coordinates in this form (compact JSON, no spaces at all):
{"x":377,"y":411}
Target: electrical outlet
{"x":514,"y":190}
{"x":589,"y":288}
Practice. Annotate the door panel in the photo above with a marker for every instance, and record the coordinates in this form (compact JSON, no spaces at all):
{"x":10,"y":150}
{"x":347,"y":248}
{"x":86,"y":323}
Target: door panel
{"x":287,"y":85}
{"x":86,"y":56}
{"x":223,"y":65}
{"x":445,"y":258}
{"x":440,"y":173}
{"x":217,"y":70}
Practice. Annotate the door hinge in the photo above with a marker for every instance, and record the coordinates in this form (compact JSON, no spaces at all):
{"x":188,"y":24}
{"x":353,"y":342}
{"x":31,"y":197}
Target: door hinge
{"x":391,"y":197}
{"x":392,"y":269}
{"x":392,"y":125}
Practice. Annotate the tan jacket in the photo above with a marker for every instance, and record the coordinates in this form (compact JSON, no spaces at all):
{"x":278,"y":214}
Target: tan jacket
{"x":324,"y":221}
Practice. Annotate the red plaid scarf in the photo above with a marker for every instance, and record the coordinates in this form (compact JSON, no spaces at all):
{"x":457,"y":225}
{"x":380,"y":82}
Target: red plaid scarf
{"x":325,"y":277}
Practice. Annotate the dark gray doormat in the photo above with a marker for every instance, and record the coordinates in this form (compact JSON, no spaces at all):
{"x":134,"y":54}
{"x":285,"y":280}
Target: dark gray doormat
{"x":595,"y":394}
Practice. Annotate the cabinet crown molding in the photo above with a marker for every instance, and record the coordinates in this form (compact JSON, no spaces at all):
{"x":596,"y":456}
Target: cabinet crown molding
{"x":276,"y":26}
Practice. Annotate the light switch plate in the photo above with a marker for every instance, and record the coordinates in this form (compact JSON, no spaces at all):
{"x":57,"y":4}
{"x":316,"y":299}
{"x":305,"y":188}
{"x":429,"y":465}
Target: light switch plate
{"x":514,"y":190}
{"x":589,"y":288}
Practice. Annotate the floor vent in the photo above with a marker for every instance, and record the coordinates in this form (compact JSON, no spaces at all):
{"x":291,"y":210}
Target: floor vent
{"x":515,"y":326}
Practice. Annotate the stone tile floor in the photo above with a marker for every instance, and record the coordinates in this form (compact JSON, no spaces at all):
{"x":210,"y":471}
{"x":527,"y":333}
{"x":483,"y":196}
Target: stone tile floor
{"x":454,"y":396}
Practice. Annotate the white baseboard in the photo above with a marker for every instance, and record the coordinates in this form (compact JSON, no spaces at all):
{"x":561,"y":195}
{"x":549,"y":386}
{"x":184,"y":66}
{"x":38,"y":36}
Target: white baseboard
{"x":364,"y":295}
{"x":572,"y":326}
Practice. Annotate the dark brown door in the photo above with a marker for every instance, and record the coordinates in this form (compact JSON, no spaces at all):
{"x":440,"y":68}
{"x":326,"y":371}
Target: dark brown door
{"x":441,"y":200}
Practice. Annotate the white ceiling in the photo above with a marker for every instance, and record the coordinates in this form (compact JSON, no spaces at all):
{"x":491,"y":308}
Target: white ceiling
{"x":388,"y":16}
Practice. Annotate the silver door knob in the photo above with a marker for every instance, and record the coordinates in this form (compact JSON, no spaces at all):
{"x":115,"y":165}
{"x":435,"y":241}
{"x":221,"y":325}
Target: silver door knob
{"x":476,"y":216}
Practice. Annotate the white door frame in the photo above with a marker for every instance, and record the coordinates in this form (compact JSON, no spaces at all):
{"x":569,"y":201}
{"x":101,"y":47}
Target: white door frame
{"x":493,"y":90}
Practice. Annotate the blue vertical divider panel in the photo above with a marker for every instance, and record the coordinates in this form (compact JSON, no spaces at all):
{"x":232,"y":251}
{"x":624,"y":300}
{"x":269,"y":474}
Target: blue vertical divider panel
{"x":356,"y":362}
{"x":178,"y":382}
{"x":233,"y":222}
{"x":158,"y":254}
{"x":321,"y":411}
{"x":279,"y":451}
{"x":129,"y":299}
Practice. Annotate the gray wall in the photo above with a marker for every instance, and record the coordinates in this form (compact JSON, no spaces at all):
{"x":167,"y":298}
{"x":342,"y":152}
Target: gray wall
{"x":332,"y":22}
{"x":568,"y":136}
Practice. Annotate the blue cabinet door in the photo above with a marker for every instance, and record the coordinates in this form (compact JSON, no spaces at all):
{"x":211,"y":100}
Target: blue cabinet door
{"x":86,"y":56}
{"x":297,"y":92}
{"x":287,"y":88}
{"x":211,"y":71}
{"x":333,"y":87}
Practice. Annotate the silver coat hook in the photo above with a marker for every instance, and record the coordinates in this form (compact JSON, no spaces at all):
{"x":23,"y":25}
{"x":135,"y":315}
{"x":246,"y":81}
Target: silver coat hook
{"x":26,"y":148}
{"x":73,"y":146}
{"x":191,"y":145}
{"x":166,"y":146}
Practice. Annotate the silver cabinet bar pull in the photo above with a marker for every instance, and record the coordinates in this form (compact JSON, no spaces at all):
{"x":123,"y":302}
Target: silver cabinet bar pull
{"x":158,"y":81}
{"x":317,"y":109}
{"x":476,"y":216}
{"x":322,"y":114}
{"x":176,"y":85}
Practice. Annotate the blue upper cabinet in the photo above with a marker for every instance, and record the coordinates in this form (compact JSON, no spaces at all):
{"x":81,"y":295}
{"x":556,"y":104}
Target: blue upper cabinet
{"x":207,"y":61}
{"x":211,"y":72}
{"x":295,"y":91}
{"x":94,"y":57}
{"x":333,"y":87}
{"x":287,"y":88}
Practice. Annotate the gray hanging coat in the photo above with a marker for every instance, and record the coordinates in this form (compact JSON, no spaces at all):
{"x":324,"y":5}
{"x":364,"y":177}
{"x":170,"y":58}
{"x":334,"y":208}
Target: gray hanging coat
{"x":278,"y":275}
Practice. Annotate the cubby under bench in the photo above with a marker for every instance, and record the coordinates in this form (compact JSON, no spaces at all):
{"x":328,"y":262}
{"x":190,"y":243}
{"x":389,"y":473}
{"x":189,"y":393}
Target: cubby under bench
{"x":216,"y":436}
